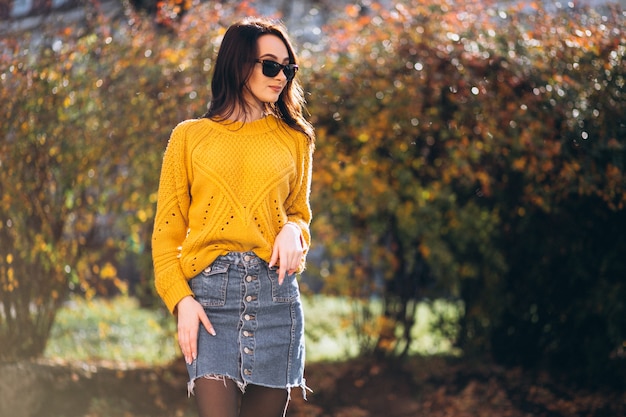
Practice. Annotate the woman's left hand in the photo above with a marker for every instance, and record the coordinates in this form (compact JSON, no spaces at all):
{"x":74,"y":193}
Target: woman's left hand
{"x":287,"y":252}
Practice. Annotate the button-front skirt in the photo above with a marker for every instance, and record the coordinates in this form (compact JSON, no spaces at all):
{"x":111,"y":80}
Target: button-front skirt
{"x":259,"y":324}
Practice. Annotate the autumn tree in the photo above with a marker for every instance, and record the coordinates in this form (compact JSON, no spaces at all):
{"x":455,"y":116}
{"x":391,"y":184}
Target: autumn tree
{"x":86,"y":120}
{"x":393,"y":175}
{"x":451,"y":138}
{"x":82,"y":137}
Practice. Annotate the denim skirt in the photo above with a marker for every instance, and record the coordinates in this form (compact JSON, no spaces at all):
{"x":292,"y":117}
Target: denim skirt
{"x":259,"y":324}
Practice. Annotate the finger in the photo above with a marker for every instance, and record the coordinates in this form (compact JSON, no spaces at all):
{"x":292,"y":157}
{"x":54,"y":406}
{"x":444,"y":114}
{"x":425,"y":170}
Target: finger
{"x":294,"y":264}
{"x":274,"y":258}
{"x":183,"y":342}
{"x":207,"y":324}
{"x":281,"y":274}
{"x":193,"y":346}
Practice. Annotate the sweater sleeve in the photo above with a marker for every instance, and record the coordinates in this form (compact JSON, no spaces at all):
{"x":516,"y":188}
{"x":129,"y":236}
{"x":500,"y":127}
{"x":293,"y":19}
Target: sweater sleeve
{"x":298,"y":207}
{"x":171,"y":221}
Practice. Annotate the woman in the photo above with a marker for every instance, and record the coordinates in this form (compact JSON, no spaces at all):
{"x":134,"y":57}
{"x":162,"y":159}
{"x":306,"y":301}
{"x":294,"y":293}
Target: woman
{"x":232,"y":228}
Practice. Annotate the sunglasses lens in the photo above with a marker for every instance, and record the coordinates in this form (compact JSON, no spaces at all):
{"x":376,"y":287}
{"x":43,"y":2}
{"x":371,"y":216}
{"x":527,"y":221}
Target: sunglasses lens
{"x":290,"y":71}
{"x":271,"y":69}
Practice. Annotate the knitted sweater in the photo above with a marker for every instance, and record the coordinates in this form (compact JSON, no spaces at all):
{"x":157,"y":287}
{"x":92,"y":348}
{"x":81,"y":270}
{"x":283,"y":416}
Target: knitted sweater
{"x":226,"y":187}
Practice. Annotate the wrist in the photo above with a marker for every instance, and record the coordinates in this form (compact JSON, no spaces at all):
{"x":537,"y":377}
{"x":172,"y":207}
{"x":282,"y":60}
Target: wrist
{"x":296,"y":227}
{"x":294,"y":224}
{"x":182,"y":301}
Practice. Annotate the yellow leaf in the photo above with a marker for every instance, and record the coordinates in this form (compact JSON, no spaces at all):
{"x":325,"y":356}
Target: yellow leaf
{"x":108,"y":271}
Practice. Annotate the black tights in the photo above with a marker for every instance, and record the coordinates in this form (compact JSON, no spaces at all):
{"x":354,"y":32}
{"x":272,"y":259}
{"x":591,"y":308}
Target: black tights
{"x":217,"y":398}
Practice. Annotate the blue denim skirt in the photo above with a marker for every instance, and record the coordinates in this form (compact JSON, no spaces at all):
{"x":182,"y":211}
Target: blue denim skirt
{"x":259,"y":324}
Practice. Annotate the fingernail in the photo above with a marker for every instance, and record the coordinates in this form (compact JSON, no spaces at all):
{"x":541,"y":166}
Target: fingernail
{"x":212,"y":331}
{"x":193,"y":356}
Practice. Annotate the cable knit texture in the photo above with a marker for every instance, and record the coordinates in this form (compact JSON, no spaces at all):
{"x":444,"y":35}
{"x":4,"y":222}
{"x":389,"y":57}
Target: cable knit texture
{"x":227,"y":187}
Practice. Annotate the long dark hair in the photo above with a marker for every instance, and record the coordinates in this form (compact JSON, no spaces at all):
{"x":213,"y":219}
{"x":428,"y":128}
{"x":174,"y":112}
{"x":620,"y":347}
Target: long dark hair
{"x":234,"y":65}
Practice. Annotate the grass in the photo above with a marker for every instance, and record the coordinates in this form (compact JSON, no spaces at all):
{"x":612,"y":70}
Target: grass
{"x":331,"y":332}
{"x":111,"y":330}
{"x":118,"y":331}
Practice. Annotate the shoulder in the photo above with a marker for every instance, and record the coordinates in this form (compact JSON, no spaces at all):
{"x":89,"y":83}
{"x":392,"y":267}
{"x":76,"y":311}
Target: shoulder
{"x":192,"y":131}
{"x":190,"y":125}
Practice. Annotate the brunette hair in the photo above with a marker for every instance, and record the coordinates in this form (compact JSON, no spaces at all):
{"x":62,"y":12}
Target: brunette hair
{"x":233,"y":66}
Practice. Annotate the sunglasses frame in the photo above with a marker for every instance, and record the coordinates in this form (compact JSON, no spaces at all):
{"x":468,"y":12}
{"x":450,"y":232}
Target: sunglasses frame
{"x":272,"y":68}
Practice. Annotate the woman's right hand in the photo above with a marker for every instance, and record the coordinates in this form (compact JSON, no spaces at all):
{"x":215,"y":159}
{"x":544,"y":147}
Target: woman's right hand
{"x":190,"y":314}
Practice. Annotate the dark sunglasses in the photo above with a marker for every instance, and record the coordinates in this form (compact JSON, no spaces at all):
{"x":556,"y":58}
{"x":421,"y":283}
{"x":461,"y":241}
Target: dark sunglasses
{"x":272,"y":68}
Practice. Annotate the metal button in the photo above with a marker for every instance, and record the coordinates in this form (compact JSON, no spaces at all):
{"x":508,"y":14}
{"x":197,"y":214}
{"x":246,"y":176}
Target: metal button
{"x":247,"y":317}
{"x":247,"y":372}
{"x":248,"y":278}
{"x":246,"y":350}
{"x":249,"y":298}
{"x":247,"y":258}
{"x":207,"y":269}
{"x":246,"y":333}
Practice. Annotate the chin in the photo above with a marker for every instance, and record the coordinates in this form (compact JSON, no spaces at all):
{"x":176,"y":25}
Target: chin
{"x":273,"y":98}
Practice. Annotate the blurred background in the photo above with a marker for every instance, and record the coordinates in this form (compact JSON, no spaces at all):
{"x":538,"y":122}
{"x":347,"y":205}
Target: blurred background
{"x":469,"y":199}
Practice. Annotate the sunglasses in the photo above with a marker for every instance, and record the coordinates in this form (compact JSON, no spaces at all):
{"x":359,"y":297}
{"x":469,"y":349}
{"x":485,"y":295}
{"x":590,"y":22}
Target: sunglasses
{"x":272,"y":68}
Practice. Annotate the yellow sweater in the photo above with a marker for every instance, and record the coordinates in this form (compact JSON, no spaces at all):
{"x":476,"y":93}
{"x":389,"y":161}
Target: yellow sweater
{"x":226,"y":187}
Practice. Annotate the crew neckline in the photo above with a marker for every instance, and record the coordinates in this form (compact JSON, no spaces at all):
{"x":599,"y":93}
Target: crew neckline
{"x":264,"y":124}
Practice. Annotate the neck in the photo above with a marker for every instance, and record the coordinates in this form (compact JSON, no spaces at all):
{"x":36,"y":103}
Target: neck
{"x":250,"y":114}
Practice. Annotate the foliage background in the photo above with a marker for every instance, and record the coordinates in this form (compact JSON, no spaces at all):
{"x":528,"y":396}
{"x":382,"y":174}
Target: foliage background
{"x":466,"y":151}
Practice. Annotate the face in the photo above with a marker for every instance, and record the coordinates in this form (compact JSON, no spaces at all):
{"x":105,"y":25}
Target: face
{"x":261,"y":88}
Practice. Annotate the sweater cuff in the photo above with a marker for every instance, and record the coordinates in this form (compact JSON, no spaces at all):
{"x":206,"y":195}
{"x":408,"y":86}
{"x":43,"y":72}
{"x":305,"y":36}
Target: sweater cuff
{"x":175,"y":293}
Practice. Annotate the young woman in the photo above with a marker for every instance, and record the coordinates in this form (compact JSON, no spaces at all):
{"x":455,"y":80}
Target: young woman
{"x":232,"y":228}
